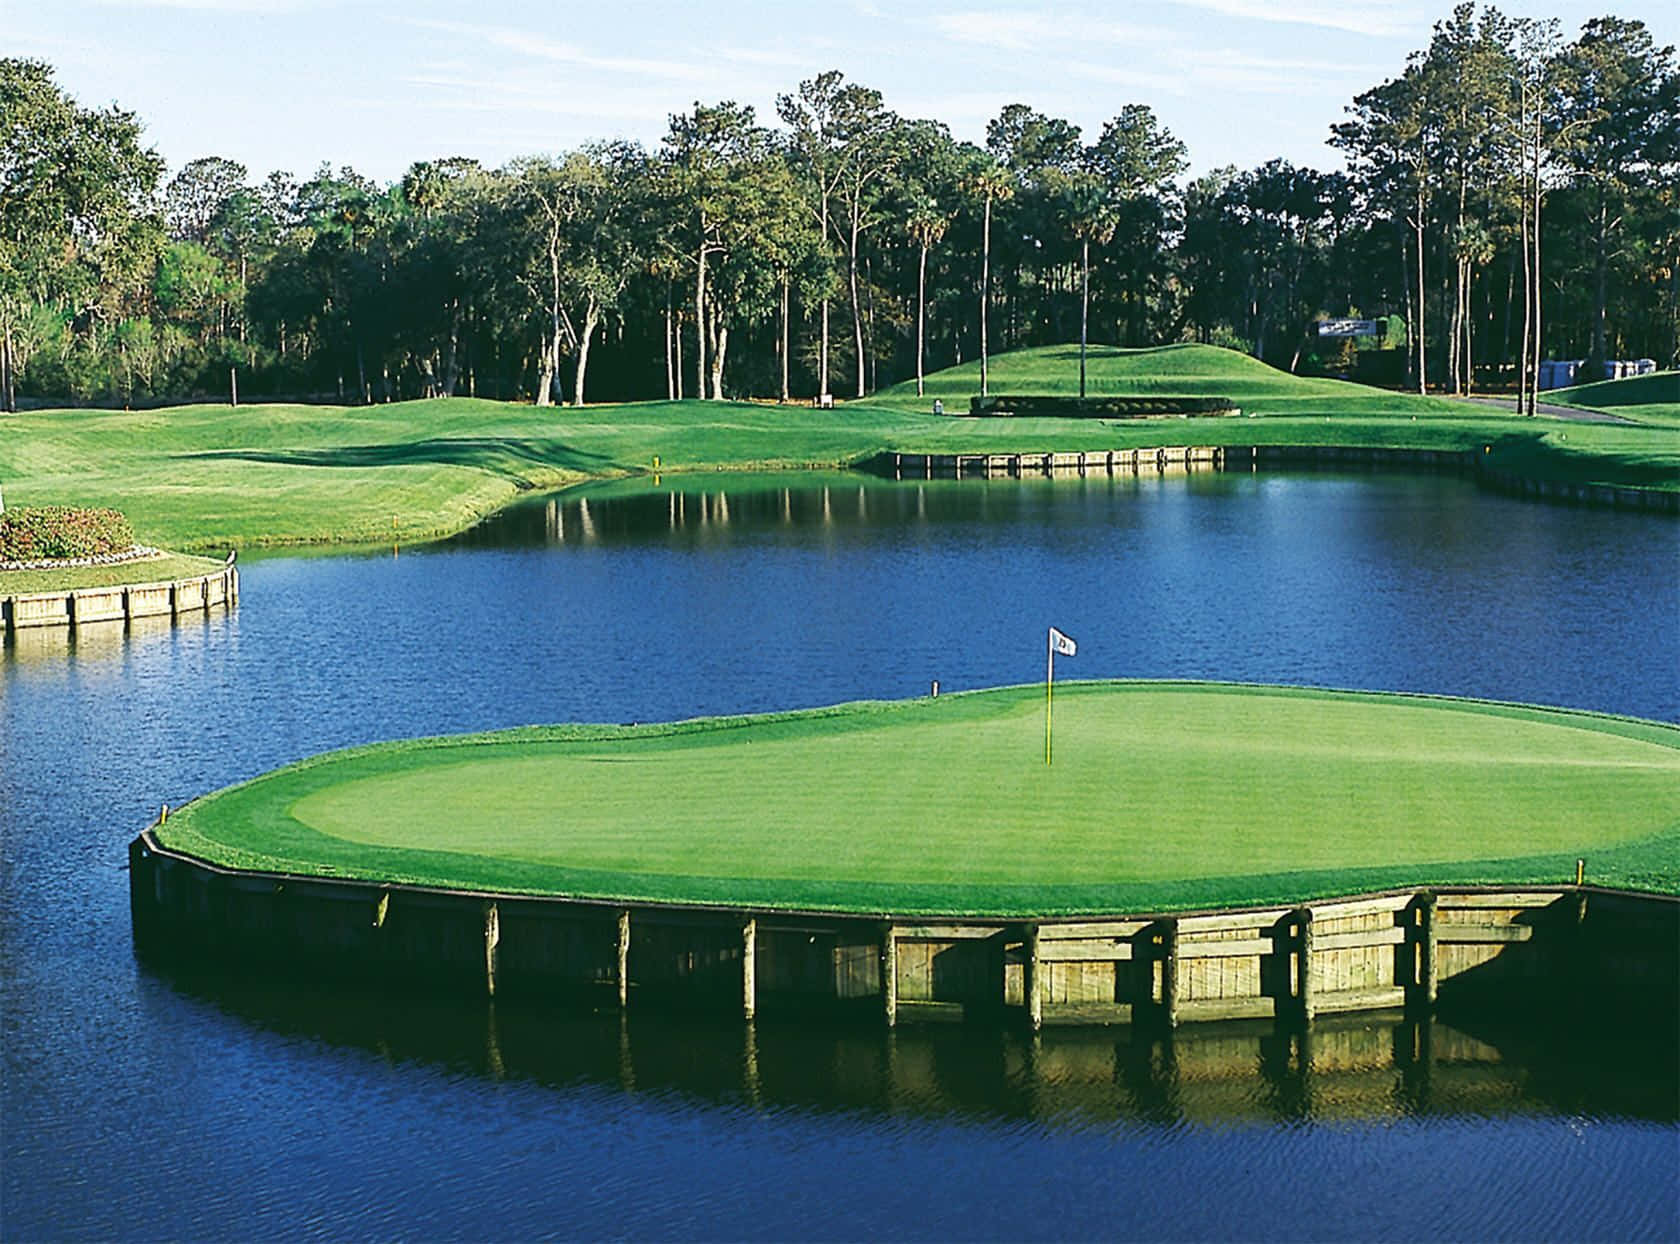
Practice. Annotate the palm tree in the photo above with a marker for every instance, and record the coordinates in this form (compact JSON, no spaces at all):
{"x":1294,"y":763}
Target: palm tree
{"x":927,"y":225}
{"x":990,"y":181}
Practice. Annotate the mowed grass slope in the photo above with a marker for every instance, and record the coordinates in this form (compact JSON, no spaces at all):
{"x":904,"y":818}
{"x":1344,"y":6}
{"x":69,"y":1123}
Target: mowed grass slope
{"x":211,"y":477}
{"x":1162,"y":796}
{"x":1185,"y":369}
{"x":1647,"y":399}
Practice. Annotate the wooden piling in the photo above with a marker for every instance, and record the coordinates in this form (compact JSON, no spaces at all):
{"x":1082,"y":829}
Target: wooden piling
{"x":1304,"y":965}
{"x":749,"y":971}
{"x":889,"y":974}
{"x":1427,"y":948}
{"x":492,"y":945}
{"x":623,"y":969}
{"x":1169,"y":972}
{"x":1035,"y":982}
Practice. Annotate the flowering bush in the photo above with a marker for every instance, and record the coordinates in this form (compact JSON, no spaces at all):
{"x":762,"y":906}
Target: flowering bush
{"x":31,"y":533}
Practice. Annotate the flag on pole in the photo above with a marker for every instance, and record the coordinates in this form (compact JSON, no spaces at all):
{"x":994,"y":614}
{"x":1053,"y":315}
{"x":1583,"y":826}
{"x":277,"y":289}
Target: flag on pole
{"x":1064,"y":645}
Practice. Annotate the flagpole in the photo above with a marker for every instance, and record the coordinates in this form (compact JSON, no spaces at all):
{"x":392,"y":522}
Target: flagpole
{"x":1049,"y":692}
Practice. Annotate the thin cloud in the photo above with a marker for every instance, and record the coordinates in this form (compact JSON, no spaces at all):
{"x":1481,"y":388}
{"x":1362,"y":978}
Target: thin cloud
{"x":541,"y":47}
{"x":254,"y":8}
{"x":1376,"y":19}
{"x":1011,"y":31}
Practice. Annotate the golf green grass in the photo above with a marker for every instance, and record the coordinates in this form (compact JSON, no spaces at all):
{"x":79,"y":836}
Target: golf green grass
{"x":1162,"y":796}
{"x":200,"y":478}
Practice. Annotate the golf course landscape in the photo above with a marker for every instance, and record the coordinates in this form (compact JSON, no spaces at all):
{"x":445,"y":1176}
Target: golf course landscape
{"x":1162,"y":796}
{"x":207,"y":478}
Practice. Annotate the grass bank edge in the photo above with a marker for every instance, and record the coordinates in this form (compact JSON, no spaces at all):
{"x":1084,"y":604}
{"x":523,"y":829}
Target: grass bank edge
{"x":207,"y":477}
{"x":1651,"y":863}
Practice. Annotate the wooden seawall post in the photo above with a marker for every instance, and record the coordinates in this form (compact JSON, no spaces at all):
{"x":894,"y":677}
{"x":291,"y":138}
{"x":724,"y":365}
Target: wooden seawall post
{"x":492,"y":944}
{"x":749,"y":969}
{"x":1035,"y":983}
{"x":622,"y":972}
{"x":1304,"y":978}
{"x":889,"y":973}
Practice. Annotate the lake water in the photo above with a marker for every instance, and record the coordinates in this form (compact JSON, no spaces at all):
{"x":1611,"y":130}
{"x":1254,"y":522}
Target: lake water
{"x":137,"y":1103}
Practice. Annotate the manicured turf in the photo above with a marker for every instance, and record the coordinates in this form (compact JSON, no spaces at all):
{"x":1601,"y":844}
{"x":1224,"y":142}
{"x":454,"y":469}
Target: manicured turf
{"x":1162,"y":796}
{"x":162,"y":569}
{"x":210,"y":477}
{"x":1651,"y":399}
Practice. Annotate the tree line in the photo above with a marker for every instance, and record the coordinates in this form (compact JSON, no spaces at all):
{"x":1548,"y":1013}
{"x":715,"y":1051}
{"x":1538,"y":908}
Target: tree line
{"x":1509,"y":195}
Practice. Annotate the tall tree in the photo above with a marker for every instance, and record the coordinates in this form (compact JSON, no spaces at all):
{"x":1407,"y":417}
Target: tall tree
{"x":1623,"y":93}
{"x":76,"y":224}
{"x":988,"y":181}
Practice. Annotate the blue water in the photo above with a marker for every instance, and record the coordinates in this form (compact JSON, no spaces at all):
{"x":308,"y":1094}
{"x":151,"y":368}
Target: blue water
{"x":137,"y":1105}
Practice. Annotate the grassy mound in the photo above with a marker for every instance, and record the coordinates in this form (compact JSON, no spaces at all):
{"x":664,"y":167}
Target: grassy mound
{"x":1187,"y":370}
{"x":1163,"y":795}
{"x":1648,"y":399}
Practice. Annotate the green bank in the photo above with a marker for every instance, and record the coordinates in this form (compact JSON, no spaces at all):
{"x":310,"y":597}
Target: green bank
{"x":1652,"y":399}
{"x":205,"y":478}
{"x":1162,"y":796}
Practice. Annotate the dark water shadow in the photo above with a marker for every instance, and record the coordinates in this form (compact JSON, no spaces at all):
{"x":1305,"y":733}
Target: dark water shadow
{"x":1352,"y":1067}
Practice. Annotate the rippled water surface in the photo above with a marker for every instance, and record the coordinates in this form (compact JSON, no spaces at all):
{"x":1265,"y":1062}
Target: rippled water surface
{"x":144,"y":1105}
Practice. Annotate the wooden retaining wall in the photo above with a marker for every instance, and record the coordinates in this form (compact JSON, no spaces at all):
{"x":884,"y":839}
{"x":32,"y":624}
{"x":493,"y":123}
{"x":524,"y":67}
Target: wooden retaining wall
{"x":120,"y":603}
{"x":1183,"y":458}
{"x":1404,"y":948}
{"x":1176,"y":458}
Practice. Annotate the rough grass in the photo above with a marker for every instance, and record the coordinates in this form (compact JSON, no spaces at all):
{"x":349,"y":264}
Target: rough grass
{"x":168,"y":567}
{"x":1162,"y":796}
{"x":211,"y":477}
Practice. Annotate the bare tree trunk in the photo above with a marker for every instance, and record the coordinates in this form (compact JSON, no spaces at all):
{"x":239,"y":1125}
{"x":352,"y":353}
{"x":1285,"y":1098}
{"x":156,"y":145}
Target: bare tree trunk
{"x":1527,"y":301}
{"x":857,"y":304}
{"x":1534,"y":389}
{"x":1599,"y":354}
{"x":676,"y":349}
{"x":822,"y":360}
{"x":720,"y":347}
{"x":1411,"y":322}
{"x":921,"y":315}
{"x":985,"y":280}
{"x":786,"y":299}
{"x":545,"y":372}
{"x":452,"y":369}
{"x":361,"y":377}
{"x":1084,"y":306}
{"x":591,"y":320}
{"x":670,"y":379}
{"x":700,"y":320}
{"x":8,"y":392}
{"x":1422,"y":300}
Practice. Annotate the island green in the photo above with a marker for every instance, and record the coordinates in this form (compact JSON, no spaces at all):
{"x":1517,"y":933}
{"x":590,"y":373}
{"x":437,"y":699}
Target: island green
{"x":1162,"y":796}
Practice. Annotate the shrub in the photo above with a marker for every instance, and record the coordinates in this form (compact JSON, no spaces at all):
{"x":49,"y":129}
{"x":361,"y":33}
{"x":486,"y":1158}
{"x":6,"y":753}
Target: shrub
{"x":1129,"y":407}
{"x":32,"y":533}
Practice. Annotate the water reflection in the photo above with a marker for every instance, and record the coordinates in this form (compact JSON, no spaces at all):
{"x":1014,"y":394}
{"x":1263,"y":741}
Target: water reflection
{"x":1368,"y":1068}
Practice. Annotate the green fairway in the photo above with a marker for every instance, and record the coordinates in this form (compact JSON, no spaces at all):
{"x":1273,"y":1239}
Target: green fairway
{"x":1162,"y":796}
{"x":211,"y":477}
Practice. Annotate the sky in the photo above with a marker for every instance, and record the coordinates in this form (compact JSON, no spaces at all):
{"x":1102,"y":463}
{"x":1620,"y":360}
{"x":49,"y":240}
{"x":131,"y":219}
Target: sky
{"x":379,"y":84}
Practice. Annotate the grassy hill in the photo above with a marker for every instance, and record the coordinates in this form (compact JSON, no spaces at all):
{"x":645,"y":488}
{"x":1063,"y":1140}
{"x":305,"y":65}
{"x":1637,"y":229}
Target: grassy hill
{"x":210,"y":477}
{"x":1187,"y":369}
{"x":1228,"y":794}
{"x":1648,"y":399}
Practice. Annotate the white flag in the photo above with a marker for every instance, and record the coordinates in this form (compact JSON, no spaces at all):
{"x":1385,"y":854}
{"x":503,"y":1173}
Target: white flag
{"x":1062,"y":644}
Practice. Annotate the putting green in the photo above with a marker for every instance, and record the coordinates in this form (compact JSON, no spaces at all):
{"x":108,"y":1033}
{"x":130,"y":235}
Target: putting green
{"x":1162,"y":795}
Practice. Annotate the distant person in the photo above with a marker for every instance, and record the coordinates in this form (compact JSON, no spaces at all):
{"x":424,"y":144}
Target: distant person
{"x":938,"y":406}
